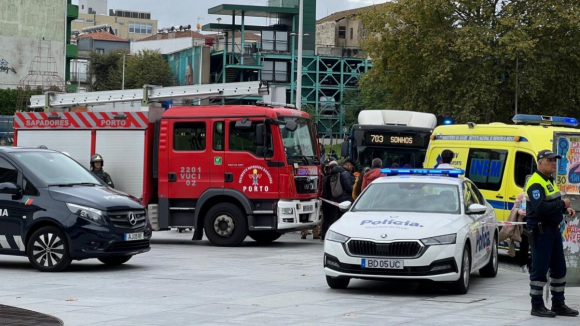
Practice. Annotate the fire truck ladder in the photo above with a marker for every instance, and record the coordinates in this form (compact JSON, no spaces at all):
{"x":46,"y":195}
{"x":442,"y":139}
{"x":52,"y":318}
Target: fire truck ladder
{"x":148,"y":94}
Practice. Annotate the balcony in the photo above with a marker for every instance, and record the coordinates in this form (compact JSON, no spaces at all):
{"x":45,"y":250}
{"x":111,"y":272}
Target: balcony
{"x":79,"y":77}
{"x":341,"y":51}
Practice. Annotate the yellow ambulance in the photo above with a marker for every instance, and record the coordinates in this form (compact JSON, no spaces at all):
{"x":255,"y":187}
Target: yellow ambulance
{"x":497,"y":157}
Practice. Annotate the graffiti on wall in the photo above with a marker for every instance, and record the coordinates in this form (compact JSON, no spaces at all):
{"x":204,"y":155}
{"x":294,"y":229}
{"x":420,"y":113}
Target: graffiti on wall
{"x":5,"y":67}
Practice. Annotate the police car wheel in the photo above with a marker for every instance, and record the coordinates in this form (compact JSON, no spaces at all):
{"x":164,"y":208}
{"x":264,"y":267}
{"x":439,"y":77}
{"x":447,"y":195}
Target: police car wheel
{"x":115,"y":261}
{"x":337,"y":283}
{"x":225,"y":225}
{"x":490,"y":270}
{"x":265,"y":236}
{"x":461,"y":286}
{"x":47,"y":250}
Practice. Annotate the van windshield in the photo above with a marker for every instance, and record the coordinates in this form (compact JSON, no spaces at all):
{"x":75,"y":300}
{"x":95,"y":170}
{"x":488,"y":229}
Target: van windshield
{"x":55,"y":168}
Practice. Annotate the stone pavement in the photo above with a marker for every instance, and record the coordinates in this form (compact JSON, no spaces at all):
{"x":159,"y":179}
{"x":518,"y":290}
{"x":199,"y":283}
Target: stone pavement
{"x":181,"y":282}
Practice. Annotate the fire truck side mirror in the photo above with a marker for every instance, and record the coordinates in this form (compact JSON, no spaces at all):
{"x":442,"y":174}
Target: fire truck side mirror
{"x":260,"y":134}
{"x":291,"y":126}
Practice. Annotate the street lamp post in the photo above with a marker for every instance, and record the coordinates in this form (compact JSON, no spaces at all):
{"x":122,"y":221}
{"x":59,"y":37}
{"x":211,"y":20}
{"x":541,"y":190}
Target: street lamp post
{"x":123,"y":83}
{"x":299,"y":68}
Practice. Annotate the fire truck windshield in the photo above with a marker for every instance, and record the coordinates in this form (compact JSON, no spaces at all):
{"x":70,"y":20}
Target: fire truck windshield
{"x":299,"y":145}
{"x":56,"y":169}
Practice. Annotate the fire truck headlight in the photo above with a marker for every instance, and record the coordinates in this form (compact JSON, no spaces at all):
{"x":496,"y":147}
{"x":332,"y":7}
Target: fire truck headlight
{"x":287,"y":210}
{"x":88,"y":213}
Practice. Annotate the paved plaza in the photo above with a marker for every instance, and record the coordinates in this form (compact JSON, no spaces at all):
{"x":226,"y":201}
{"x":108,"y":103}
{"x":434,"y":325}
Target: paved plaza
{"x":182,"y":282}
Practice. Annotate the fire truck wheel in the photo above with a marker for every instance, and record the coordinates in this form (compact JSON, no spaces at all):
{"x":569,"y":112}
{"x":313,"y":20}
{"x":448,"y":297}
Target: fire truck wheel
{"x":265,"y":236}
{"x":225,"y":225}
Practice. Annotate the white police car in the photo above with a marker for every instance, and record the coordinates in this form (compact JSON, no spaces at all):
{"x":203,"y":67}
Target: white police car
{"x":415,"y":224}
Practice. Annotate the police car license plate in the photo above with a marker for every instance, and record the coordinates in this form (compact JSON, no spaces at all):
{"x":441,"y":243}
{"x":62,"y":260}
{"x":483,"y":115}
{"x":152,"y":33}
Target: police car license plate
{"x":134,"y":236}
{"x":382,"y":263}
{"x":307,"y":208}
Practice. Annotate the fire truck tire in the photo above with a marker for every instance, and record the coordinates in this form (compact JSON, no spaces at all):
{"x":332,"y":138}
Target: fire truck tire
{"x":225,"y":225}
{"x":265,"y":236}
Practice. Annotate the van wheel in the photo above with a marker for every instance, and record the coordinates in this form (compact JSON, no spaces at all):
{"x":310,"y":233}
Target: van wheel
{"x":265,"y":236}
{"x":337,"y":283}
{"x":47,"y":250}
{"x":490,"y":270}
{"x":115,"y":261}
{"x":461,"y":286}
{"x":225,"y":225}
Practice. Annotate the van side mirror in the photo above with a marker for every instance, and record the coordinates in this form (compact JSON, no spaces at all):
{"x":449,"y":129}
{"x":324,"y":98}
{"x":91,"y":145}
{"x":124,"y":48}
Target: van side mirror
{"x":476,"y":209}
{"x":344,"y":148}
{"x":291,"y":126}
{"x":9,"y":188}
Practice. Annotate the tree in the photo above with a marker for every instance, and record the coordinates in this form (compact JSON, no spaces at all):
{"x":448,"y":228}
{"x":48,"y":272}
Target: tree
{"x":144,"y":67}
{"x":458,"y":58}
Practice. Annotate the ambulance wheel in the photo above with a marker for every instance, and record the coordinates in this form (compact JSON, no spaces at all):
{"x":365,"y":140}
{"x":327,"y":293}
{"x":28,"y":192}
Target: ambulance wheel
{"x":337,"y":283}
{"x":225,"y":225}
{"x":265,"y":236}
{"x":461,"y":286}
{"x":115,"y":261}
{"x":490,"y":270}
{"x":47,"y":250}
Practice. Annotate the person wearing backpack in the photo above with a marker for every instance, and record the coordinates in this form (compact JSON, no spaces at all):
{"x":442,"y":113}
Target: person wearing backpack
{"x":341,"y":185}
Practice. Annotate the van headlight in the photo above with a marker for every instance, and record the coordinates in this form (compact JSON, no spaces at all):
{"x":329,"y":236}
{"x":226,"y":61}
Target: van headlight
{"x":440,"y":240}
{"x":88,"y":213}
{"x":337,"y":237}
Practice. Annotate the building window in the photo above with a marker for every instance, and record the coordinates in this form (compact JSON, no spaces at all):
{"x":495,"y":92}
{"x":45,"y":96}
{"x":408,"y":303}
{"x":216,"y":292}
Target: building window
{"x":275,"y":71}
{"x":351,"y":32}
{"x":140,"y":28}
{"x":275,"y":41}
{"x":116,"y":32}
{"x":189,"y":136}
{"x":100,"y":51}
{"x":90,"y":21}
{"x":342,"y":32}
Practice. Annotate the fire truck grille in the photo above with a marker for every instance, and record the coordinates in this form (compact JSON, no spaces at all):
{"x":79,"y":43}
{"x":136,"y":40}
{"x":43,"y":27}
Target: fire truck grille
{"x":128,"y":219}
{"x":393,"y":249}
{"x":306,"y":185}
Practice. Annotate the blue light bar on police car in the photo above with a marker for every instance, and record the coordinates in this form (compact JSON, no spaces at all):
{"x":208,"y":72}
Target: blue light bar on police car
{"x":545,"y":120}
{"x":451,"y":173}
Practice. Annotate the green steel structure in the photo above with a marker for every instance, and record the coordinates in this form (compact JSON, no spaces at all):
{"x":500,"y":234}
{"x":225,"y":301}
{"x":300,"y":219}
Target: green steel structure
{"x":324,"y":78}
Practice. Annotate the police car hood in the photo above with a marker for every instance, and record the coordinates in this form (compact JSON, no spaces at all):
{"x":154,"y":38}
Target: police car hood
{"x":397,"y":225}
{"x":98,"y":197}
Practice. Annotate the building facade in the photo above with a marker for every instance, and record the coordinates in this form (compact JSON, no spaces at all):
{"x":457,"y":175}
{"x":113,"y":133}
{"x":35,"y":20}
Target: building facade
{"x":35,"y":38}
{"x":340,"y":34}
{"x":130,"y":25}
{"x":94,"y":7}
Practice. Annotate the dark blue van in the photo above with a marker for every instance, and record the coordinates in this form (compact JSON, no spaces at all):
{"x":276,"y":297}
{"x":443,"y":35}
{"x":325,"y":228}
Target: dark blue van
{"x":54,"y":210}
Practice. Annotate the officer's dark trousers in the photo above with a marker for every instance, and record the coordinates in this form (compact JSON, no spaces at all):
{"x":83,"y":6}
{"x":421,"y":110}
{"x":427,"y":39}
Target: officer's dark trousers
{"x":548,"y":254}
{"x":330,"y":214}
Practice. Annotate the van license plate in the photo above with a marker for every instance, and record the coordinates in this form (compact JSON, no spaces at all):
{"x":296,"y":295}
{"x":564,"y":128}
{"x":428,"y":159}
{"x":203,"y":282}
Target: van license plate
{"x":382,"y":263}
{"x":134,"y":236}
{"x":307,"y":208}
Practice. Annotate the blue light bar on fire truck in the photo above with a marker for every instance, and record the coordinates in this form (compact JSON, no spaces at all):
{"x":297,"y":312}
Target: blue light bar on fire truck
{"x":545,"y":120}
{"x":449,"y":173}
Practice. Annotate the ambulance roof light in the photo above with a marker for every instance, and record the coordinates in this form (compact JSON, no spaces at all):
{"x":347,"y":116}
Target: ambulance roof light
{"x":451,"y":173}
{"x":544,"y":120}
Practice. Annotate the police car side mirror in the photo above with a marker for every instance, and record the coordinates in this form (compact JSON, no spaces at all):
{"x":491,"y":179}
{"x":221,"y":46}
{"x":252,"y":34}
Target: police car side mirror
{"x":476,"y":209}
{"x":9,"y":188}
{"x":344,"y":206}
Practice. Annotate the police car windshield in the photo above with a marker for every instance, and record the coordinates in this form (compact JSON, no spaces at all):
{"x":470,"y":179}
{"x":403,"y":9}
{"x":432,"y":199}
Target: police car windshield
{"x":413,"y":197}
{"x":55,"y":168}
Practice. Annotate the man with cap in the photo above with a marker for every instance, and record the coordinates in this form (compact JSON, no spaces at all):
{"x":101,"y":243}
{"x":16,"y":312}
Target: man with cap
{"x":544,"y":212}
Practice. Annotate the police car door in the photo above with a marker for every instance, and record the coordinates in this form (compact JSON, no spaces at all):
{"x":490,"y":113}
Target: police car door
{"x":484,"y":225}
{"x":11,"y":210}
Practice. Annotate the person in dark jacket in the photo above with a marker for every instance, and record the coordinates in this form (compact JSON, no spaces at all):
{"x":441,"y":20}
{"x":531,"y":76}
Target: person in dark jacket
{"x":97,"y":169}
{"x":373,"y":174}
{"x":329,"y":211}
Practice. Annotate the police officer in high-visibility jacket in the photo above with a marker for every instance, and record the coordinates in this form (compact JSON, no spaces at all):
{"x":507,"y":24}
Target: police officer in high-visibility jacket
{"x":544,"y":212}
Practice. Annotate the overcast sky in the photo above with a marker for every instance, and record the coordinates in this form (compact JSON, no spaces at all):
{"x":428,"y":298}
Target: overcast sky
{"x":183,"y":12}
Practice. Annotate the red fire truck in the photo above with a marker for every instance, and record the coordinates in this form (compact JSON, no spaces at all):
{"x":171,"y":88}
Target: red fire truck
{"x":232,"y":170}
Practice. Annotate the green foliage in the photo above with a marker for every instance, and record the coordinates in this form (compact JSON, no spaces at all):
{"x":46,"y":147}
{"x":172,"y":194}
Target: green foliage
{"x":458,"y":58}
{"x":8,"y":98}
{"x":144,"y":67}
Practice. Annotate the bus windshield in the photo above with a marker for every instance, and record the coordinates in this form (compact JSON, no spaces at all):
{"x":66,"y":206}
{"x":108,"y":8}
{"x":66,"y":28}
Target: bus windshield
{"x":390,"y":156}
